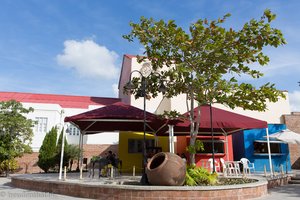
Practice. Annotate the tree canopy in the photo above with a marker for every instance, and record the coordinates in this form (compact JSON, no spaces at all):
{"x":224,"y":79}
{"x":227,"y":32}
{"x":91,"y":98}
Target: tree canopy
{"x":15,"y":130}
{"x":206,"y":61}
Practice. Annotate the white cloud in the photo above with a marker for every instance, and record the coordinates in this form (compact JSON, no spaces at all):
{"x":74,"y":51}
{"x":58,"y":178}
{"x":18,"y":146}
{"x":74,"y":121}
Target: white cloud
{"x":115,"y":90}
{"x":282,"y":62}
{"x":295,"y":100}
{"x":89,"y":59}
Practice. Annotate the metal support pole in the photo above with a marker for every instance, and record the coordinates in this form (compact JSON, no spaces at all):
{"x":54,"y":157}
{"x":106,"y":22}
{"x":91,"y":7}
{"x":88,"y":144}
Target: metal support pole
{"x":130,"y":86}
{"x":269,"y":152}
{"x":212,"y":138}
{"x":227,"y":148}
{"x":144,"y":179}
{"x":62,"y":155}
{"x":171,"y":139}
{"x":81,"y":154}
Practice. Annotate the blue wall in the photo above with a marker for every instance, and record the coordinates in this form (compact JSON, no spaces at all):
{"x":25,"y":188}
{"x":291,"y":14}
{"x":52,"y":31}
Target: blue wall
{"x":261,"y":160}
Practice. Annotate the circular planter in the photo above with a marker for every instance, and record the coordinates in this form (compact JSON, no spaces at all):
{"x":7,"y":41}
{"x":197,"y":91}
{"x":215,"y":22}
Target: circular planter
{"x":166,"y":169}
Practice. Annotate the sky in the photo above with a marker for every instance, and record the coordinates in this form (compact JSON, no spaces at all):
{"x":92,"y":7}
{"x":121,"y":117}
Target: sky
{"x":75,"y":47}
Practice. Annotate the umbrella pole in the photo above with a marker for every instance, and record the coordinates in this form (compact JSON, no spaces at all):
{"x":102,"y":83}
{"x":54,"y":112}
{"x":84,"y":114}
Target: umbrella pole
{"x":212,"y":139}
{"x":269,"y":151}
{"x":227,"y":151}
{"x":171,"y":139}
{"x":81,"y":154}
{"x":226,"y":142}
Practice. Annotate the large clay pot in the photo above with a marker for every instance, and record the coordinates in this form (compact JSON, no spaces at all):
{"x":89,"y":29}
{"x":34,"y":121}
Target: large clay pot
{"x":166,"y":169}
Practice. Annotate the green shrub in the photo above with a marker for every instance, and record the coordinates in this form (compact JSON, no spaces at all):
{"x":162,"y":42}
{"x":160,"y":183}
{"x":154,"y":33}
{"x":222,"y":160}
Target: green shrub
{"x":47,"y":151}
{"x":95,"y":158}
{"x":71,"y":152}
{"x":10,"y":165}
{"x":199,"y":176}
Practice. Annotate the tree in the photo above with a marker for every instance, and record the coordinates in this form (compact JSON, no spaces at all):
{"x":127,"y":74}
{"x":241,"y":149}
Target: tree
{"x":71,"y":152}
{"x":15,"y":130}
{"x":205,"y":62}
{"x":47,"y":152}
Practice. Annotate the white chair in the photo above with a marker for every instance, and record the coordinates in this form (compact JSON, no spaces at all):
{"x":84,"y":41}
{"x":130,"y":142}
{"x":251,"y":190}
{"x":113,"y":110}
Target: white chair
{"x":232,"y":168}
{"x":210,"y":165}
{"x":223,"y":165}
{"x":247,"y":166}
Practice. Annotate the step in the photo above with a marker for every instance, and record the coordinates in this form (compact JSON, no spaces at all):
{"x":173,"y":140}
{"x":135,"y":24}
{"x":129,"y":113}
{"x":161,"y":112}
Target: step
{"x":294,"y":182}
{"x":297,"y":177}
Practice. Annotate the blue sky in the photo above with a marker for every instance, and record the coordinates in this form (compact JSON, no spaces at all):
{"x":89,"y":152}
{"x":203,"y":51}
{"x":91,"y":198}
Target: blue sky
{"x":76,"y":47}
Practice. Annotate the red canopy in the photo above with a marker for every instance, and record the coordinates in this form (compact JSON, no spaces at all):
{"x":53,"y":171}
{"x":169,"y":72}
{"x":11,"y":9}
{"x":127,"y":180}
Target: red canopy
{"x":222,"y":121}
{"x":117,"y":117}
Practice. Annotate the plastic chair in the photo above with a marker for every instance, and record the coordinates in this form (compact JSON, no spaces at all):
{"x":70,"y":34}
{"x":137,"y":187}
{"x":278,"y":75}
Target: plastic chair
{"x":230,"y":169}
{"x":247,"y":166}
{"x":217,"y":165}
{"x":233,"y":168}
{"x":223,"y":165}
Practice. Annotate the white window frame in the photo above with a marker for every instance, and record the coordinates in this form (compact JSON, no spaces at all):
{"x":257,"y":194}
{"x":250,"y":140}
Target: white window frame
{"x":41,"y":125}
{"x":73,"y":130}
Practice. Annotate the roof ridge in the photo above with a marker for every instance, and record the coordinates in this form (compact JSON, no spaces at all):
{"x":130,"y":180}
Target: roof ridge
{"x":66,"y":101}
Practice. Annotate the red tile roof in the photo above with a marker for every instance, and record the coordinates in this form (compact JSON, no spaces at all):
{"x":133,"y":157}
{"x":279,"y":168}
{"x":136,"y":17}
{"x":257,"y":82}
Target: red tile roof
{"x":65,"y":101}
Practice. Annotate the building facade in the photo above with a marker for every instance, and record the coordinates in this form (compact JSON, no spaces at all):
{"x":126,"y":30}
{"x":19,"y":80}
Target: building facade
{"x":50,"y":110}
{"x":292,"y":122}
{"x":274,"y":114}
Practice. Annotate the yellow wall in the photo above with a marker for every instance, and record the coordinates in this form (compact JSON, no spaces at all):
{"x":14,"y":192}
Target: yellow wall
{"x":135,"y":159}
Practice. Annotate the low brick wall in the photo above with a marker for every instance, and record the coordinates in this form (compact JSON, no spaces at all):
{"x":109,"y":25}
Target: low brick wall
{"x":278,"y":181}
{"x":28,"y":162}
{"x":130,"y":192}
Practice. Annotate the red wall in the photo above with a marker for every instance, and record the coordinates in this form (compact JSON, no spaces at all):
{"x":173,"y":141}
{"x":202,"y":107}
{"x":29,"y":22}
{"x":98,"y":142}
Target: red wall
{"x":202,"y":158}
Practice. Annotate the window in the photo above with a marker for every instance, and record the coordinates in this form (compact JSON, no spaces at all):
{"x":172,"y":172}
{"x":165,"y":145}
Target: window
{"x":73,"y":130}
{"x":261,"y":147}
{"x":136,"y":145}
{"x":41,"y":125}
{"x":218,"y":146}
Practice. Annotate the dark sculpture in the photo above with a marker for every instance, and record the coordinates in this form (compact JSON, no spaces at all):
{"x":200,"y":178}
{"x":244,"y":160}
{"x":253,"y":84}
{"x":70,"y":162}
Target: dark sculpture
{"x":166,"y":169}
{"x":101,"y":163}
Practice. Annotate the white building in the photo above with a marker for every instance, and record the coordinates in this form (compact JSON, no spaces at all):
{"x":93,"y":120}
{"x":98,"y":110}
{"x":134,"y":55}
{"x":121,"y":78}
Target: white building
{"x":50,"y":110}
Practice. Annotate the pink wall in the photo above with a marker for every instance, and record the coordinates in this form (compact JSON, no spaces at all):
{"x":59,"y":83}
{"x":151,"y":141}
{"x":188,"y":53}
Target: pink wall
{"x":124,"y":78}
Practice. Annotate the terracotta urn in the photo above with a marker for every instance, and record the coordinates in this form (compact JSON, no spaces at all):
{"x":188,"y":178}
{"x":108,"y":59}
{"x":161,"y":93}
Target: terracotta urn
{"x":166,"y":169}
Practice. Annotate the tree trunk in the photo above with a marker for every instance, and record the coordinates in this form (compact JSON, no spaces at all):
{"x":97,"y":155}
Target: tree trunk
{"x":192,"y":155}
{"x":195,"y":124}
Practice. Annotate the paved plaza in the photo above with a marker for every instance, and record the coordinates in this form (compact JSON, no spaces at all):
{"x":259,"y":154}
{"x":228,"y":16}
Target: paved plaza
{"x":8,"y":192}
{"x":287,"y":192}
